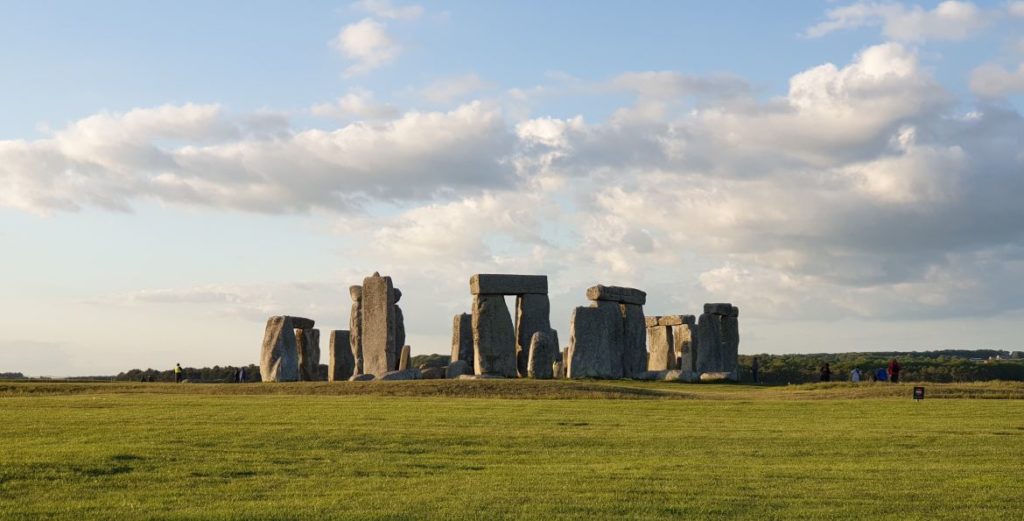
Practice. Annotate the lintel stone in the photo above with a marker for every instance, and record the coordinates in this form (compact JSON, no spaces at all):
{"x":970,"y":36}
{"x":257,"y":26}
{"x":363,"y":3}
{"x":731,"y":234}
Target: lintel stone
{"x":503,"y":284}
{"x":617,"y":294}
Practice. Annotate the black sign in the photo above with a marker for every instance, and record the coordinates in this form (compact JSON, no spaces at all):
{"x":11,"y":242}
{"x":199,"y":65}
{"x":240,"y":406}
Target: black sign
{"x":919,"y":393}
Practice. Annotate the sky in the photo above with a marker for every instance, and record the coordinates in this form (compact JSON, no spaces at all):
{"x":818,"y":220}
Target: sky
{"x":849,"y":174}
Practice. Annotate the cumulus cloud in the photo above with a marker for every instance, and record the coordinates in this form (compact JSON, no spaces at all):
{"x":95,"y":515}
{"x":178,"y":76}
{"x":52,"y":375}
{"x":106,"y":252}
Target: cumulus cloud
{"x":949,"y":20}
{"x":386,"y":9}
{"x":356,"y":104}
{"x":367,"y":44}
{"x":993,"y":81}
{"x":453,"y":88}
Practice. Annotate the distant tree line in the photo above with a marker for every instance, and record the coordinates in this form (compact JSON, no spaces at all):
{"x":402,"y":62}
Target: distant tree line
{"x":12,"y":376}
{"x":923,"y":366}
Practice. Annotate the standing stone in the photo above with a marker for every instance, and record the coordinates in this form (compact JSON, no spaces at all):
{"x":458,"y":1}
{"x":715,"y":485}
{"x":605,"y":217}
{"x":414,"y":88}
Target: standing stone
{"x":279,"y":360}
{"x":615,"y":331}
{"x":662,"y":352}
{"x":403,"y":359}
{"x":588,"y":343}
{"x":682,"y":339}
{"x":399,"y":331}
{"x":543,"y":355}
{"x":307,"y":342}
{"x":378,"y":325}
{"x":341,"y":365}
{"x":462,"y":338}
{"x":730,"y":345}
{"x":718,"y":339}
{"x":494,"y":337}
{"x":355,"y":328}
{"x":532,"y":315}
{"x":634,"y":341}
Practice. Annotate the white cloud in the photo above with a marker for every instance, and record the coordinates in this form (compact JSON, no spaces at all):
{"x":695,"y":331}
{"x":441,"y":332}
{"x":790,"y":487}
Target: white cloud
{"x":368,"y":44}
{"x":950,"y":20}
{"x":456,"y":87}
{"x":357,"y":103}
{"x":1015,"y":8}
{"x":385,"y":9}
{"x":991,"y":80}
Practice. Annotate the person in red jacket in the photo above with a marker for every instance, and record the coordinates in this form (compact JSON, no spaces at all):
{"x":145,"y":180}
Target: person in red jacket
{"x":894,"y":371}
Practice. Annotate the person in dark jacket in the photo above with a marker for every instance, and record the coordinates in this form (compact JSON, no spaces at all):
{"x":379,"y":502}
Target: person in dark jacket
{"x":894,"y":371}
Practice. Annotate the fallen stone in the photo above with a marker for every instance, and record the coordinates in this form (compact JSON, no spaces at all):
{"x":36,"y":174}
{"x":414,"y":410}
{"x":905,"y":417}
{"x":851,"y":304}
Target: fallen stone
{"x":433,"y":373}
{"x":403,"y":359}
{"x":341,"y":364}
{"x":648,"y":375}
{"x":458,"y":368}
{"x":503,"y":284}
{"x":717,"y":376}
{"x":723,"y":309}
{"x":408,"y":374}
{"x":543,"y":347}
{"x":362,"y":378}
{"x":378,"y":325}
{"x":462,"y":338}
{"x":634,"y":341}
{"x":532,"y":315}
{"x":617,"y":294}
{"x":662,"y":355}
{"x":279,"y":359}
{"x":307,"y":343}
{"x":355,"y":336}
{"x":679,"y":375}
{"x":494,"y":337}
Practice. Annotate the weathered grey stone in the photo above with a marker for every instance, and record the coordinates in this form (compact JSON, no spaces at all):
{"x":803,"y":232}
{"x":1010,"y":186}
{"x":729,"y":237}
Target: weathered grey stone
{"x":682,"y":342}
{"x":614,"y":327}
{"x":680,"y":375}
{"x":532,"y":315}
{"x":504,"y":284}
{"x":279,"y":358}
{"x":362,"y":378}
{"x":403,"y":359}
{"x":355,"y":329}
{"x":649,"y":375}
{"x":378,"y":325}
{"x":588,"y":343}
{"x":634,"y":341}
{"x":341,"y":365}
{"x":558,"y":369}
{"x":399,"y":335}
{"x":724,"y":309}
{"x":717,"y":376}
{"x":408,"y":374}
{"x":302,"y":323}
{"x":494,"y":337}
{"x":307,"y":343}
{"x":458,"y":368}
{"x":717,"y":343}
{"x":462,"y":338}
{"x":433,"y":373}
{"x":617,"y":294}
{"x":466,"y":377}
{"x":543,"y":346}
{"x":398,"y":294}
{"x":662,"y":356}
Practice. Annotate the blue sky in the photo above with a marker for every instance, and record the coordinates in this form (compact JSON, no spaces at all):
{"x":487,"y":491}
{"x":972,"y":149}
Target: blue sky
{"x":173,"y":173}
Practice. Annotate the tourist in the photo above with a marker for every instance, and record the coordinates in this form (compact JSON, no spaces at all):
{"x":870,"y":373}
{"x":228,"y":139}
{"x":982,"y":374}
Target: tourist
{"x":241,"y":375}
{"x":880,"y":374}
{"x":754,"y":369}
{"x":894,"y":371}
{"x":826,"y":373}
{"x":177,"y":373}
{"x":855,"y":375}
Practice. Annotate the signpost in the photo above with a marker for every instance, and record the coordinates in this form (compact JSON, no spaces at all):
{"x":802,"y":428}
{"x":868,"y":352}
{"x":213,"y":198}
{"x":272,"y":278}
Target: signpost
{"x":918,"y":393}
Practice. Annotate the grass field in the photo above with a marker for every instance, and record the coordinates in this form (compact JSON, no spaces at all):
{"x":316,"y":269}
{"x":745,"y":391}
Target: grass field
{"x":490,"y":450}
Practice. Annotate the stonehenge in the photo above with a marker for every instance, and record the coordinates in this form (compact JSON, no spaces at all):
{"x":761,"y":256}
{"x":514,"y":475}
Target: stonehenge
{"x":610,"y":338}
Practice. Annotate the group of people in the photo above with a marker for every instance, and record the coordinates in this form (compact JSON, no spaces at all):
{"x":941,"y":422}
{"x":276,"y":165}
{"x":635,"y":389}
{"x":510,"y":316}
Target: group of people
{"x":882,"y":374}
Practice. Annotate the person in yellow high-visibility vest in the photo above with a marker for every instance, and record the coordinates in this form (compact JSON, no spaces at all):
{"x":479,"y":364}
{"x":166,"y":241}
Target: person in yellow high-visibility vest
{"x":177,"y":373}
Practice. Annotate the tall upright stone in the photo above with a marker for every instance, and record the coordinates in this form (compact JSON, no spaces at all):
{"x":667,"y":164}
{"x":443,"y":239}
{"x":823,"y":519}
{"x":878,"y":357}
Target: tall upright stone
{"x":533,"y":313}
{"x":685,"y":348}
{"x":355,"y":329}
{"x":543,"y":351}
{"x":378,"y":325}
{"x":462,"y":338}
{"x":634,"y":341}
{"x":399,"y":331}
{"x":718,"y":339}
{"x":588,"y":343}
{"x":341,"y":364}
{"x":279,"y":358}
{"x":307,"y":342}
{"x":662,"y":356}
{"x":615,"y":333}
{"x":403,"y":359}
{"x":494,"y":337}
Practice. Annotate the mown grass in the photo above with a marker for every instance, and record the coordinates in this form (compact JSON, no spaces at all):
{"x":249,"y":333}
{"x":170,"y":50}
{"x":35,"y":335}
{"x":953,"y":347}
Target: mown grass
{"x":438,"y":450}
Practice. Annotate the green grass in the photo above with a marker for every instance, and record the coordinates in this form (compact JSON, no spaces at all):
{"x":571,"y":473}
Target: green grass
{"x":487,"y":450}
